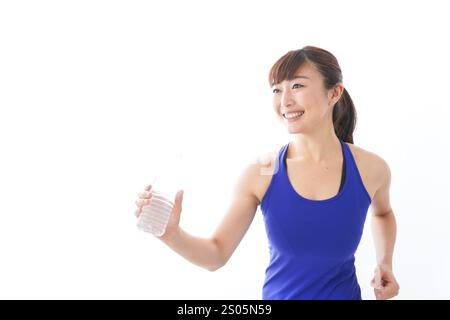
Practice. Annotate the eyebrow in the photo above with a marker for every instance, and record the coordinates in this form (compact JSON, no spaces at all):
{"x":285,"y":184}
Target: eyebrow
{"x":296,"y":77}
{"x":305,"y":77}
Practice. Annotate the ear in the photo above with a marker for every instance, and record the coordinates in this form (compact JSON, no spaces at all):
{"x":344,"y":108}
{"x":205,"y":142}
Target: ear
{"x":336,"y":93}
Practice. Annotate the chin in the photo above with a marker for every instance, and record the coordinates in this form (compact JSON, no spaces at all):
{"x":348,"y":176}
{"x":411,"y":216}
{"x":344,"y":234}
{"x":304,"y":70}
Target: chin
{"x":293,"y":130}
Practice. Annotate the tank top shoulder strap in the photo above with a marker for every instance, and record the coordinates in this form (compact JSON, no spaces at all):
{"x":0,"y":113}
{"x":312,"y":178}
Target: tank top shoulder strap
{"x":276,"y":174}
{"x":353,"y":174}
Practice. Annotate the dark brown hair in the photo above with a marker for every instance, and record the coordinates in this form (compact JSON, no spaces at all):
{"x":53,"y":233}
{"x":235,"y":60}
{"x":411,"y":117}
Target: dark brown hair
{"x":344,"y":112}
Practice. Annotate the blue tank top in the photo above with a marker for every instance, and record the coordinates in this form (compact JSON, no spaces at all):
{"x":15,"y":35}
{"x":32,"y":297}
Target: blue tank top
{"x":312,"y":243}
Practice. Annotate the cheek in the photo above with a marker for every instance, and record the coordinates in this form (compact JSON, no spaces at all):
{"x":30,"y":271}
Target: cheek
{"x":311,"y":101}
{"x":304,"y":96}
{"x":276,"y":105}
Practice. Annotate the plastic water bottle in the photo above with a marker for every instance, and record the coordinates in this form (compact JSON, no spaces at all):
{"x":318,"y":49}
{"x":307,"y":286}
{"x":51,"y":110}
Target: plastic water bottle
{"x":156,"y":214}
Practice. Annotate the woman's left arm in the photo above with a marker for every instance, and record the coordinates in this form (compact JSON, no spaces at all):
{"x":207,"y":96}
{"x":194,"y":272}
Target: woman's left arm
{"x":384,"y":229}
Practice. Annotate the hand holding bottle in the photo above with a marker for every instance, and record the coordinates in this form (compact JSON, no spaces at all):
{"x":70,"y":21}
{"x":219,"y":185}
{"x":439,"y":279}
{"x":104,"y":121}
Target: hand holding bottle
{"x":159,"y":212}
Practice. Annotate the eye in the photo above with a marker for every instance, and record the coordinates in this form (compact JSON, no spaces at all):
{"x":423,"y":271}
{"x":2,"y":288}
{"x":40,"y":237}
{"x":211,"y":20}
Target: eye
{"x":275,"y":90}
{"x":297,"y":84}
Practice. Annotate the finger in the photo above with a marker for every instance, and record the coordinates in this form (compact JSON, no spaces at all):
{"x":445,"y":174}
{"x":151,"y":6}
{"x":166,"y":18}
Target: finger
{"x":148,"y":187}
{"x":177,"y":206}
{"x":145,"y":194}
{"x":373,"y":283}
{"x":379,"y":295}
{"x":378,"y":282}
{"x":391,"y":289}
{"x":142,"y":202}
{"x":137,"y":212}
{"x":178,"y":197}
{"x":386,"y":293}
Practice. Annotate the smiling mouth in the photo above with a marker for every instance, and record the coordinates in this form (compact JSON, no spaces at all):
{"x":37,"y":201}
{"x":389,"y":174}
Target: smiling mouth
{"x":292,"y":116}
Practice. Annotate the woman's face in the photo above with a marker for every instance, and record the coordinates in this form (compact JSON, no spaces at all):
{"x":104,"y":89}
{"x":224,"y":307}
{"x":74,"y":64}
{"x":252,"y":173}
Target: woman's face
{"x":305,"y":94}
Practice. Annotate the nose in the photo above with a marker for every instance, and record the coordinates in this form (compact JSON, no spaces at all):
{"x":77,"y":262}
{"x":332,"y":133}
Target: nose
{"x":286,"y":99}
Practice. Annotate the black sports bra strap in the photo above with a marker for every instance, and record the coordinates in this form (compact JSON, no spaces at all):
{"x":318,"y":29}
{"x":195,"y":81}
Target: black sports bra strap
{"x":343,"y":175}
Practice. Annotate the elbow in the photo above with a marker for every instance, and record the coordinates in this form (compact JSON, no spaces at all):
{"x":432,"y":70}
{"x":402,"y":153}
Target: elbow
{"x":219,"y":260}
{"x":212,"y":268}
{"x":215,"y":267}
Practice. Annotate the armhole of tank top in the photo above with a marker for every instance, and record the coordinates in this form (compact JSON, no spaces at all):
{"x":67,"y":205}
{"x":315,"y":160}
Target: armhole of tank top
{"x":358,"y":175}
{"x":344,"y":172}
{"x":269,"y":187}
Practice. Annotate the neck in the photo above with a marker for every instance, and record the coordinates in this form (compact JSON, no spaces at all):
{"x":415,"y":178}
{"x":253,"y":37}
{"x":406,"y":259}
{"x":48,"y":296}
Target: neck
{"x":318,"y":147}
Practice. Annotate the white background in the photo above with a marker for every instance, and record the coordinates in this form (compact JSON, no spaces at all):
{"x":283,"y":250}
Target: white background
{"x":97,"y":96}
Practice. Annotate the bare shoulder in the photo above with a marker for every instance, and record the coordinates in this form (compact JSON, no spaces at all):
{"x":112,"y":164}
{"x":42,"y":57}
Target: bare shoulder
{"x":368,"y":157}
{"x":266,"y":159}
{"x":255,"y":177}
{"x":379,"y":174}
{"x":372,"y":166}
{"x":263,"y":169}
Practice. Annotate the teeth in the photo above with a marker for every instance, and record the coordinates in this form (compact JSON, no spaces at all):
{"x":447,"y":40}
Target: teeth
{"x":293,"y":114}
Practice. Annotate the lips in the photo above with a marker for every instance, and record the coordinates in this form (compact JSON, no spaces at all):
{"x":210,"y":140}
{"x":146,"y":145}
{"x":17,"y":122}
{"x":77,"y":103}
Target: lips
{"x":293,"y":115}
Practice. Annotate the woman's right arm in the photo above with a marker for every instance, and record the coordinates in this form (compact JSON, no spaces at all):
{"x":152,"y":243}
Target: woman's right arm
{"x":214,"y":252}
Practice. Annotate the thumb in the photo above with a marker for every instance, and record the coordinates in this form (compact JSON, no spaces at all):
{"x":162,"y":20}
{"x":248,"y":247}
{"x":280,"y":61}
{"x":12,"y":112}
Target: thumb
{"x":177,"y":206}
{"x":377,"y":280}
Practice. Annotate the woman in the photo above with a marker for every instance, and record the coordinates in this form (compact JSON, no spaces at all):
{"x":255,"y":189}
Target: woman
{"x":314,"y":193}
